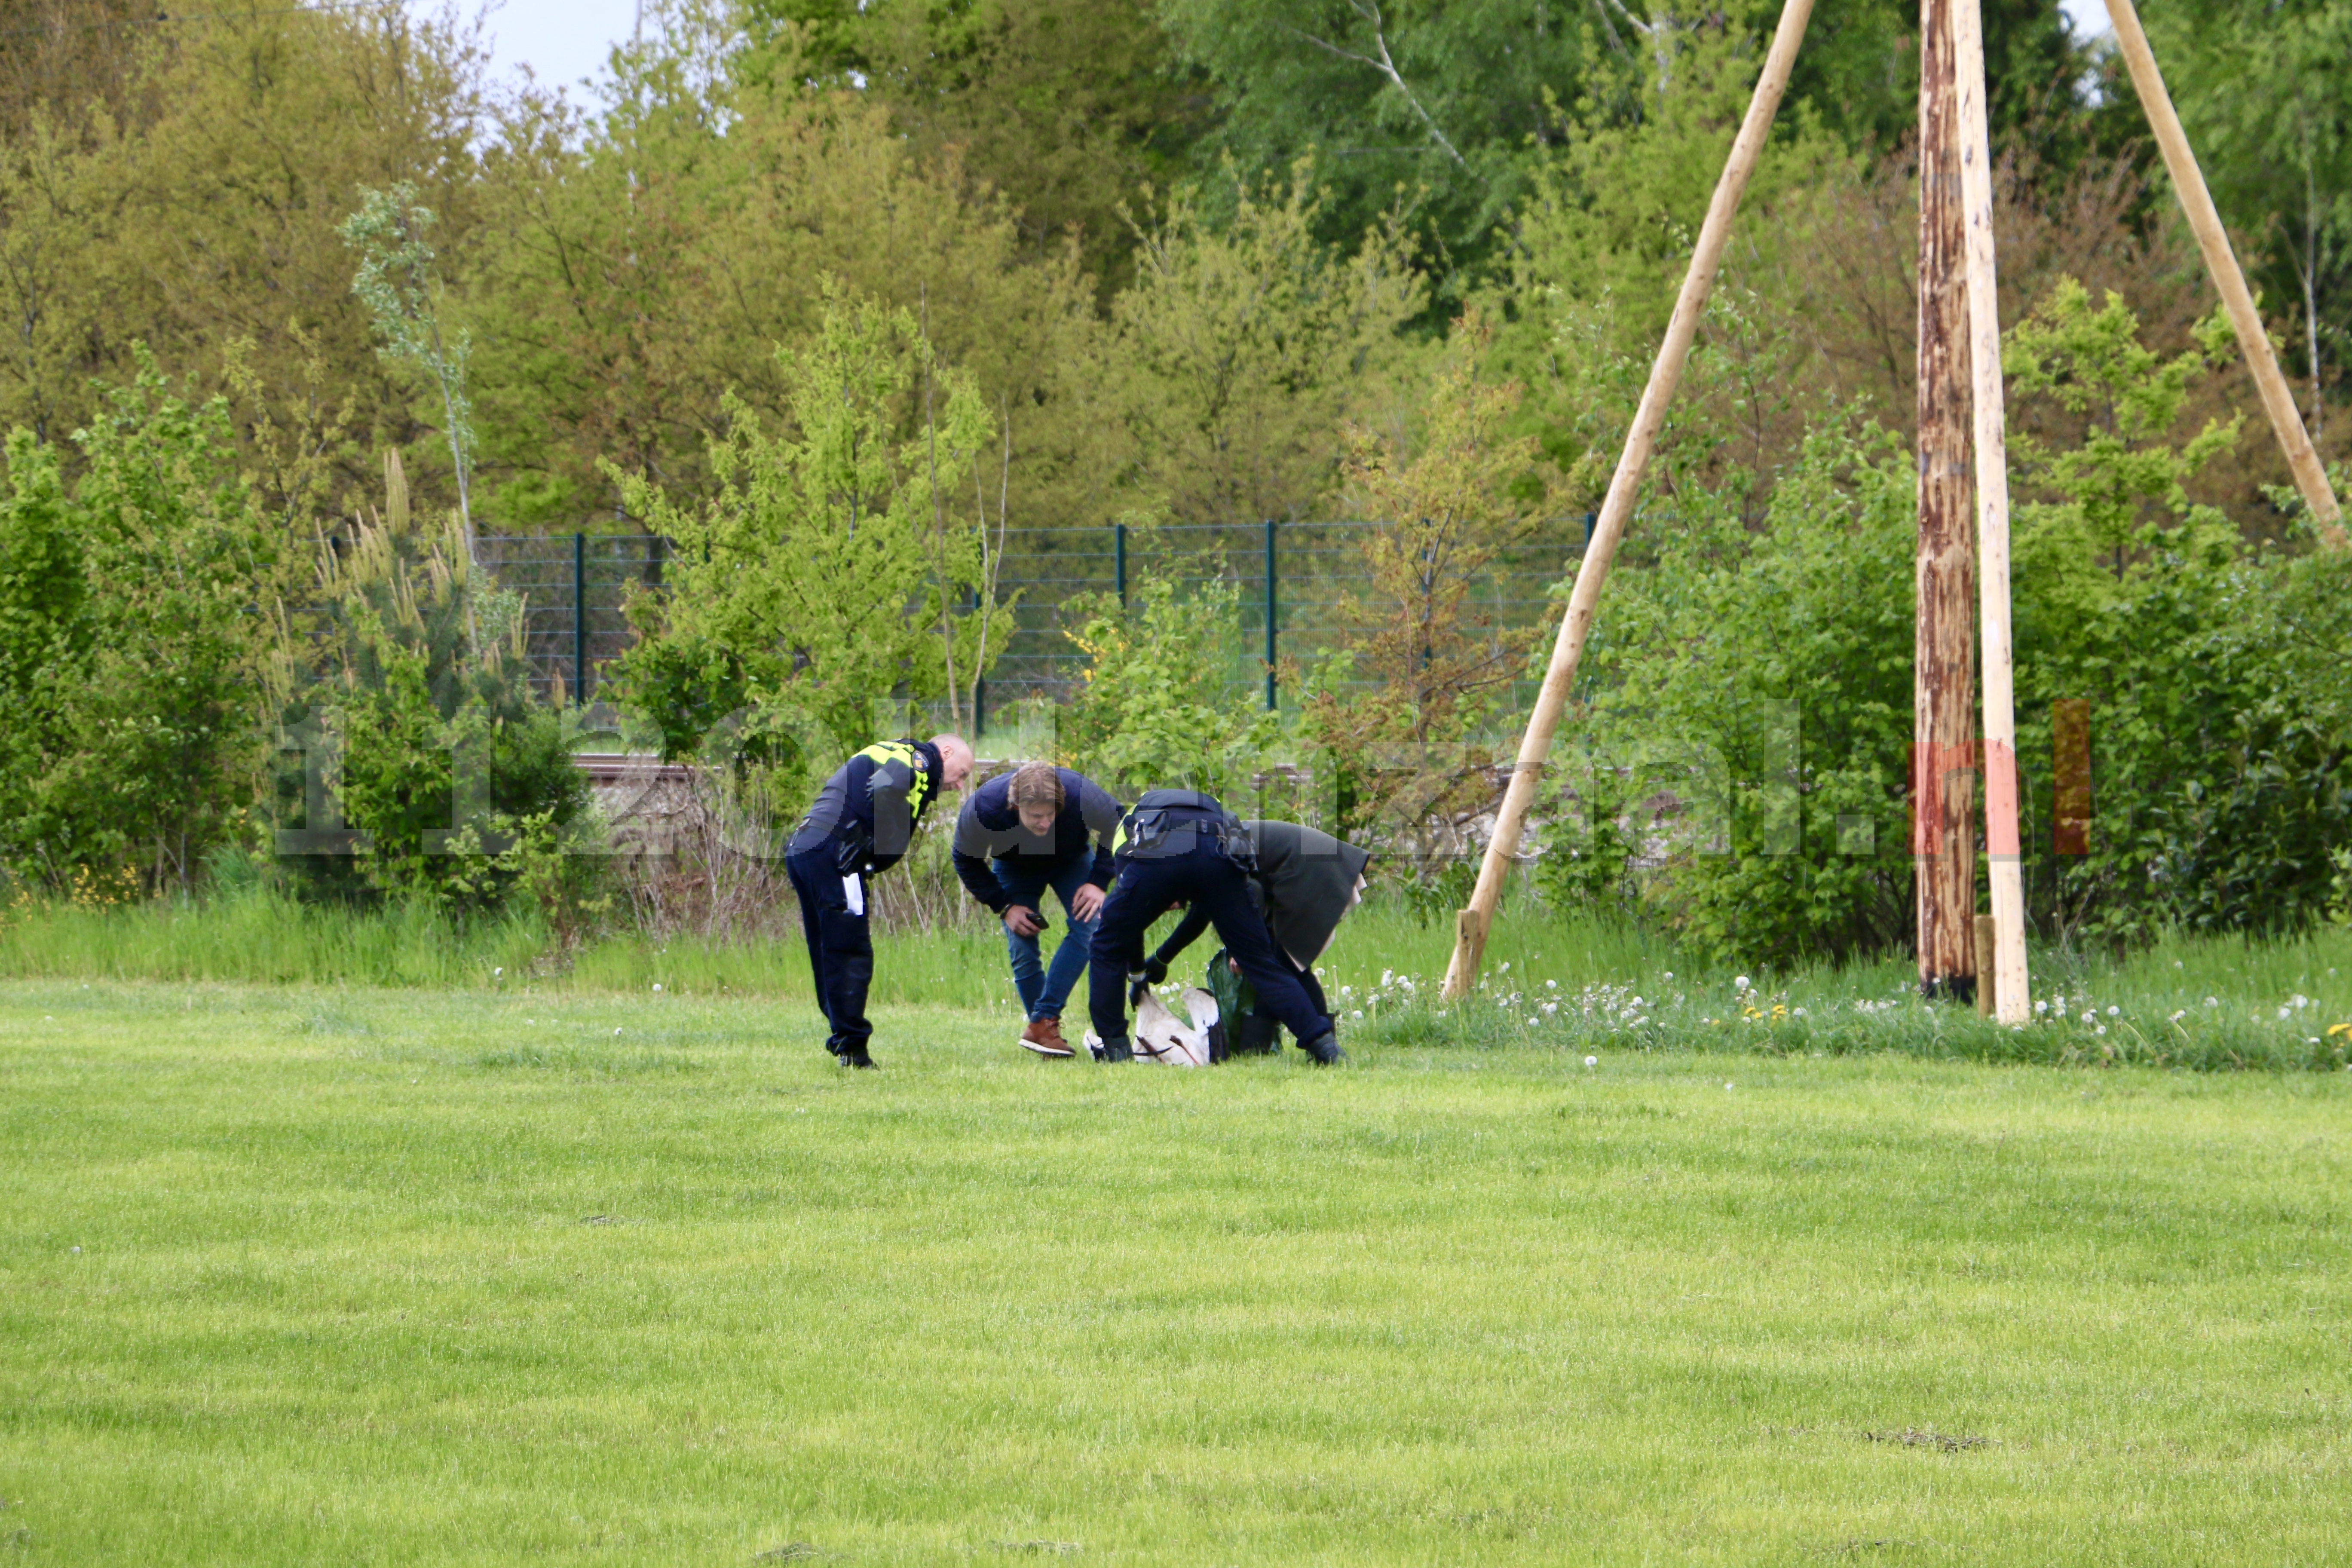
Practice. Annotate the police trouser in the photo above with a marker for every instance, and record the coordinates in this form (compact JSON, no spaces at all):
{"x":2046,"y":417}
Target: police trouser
{"x":840,"y":948}
{"x":1204,"y":877}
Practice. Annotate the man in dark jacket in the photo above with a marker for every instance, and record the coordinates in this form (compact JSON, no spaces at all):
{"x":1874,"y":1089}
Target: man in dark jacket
{"x":1305,"y":880}
{"x":1018,"y":835}
{"x":862,"y":822}
{"x":1182,"y":847}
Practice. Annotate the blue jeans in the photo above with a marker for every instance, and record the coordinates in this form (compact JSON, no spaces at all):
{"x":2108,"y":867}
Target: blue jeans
{"x":1044,"y":991}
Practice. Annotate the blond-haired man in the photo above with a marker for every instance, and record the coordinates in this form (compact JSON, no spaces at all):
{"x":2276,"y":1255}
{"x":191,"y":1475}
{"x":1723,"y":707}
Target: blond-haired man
{"x":1020,"y":834}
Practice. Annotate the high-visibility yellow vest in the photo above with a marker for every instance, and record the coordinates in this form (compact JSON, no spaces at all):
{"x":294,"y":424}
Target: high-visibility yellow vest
{"x":887,"y":751}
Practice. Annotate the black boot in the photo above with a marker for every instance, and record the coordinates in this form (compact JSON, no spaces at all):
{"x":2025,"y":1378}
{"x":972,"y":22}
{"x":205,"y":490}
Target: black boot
{"x":1117,"y":1050}
{"x":1324,"y":1049}
{"x":853,"y":1057}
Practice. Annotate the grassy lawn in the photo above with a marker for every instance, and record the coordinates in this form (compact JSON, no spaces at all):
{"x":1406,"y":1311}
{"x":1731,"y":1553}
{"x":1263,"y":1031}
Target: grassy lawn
{"x":357,"y":1275}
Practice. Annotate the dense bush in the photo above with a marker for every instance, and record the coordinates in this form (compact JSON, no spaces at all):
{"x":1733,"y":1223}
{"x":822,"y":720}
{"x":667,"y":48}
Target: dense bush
{"x":829,"y":573}
{"x":139,"y":606}
{"x":419,"y":732}
{"x":1760,"y":682}
{"x":1158,"y":707}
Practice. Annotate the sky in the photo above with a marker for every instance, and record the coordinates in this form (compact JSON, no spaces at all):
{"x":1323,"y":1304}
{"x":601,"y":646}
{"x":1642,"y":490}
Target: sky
{"x":2089,"y":16}
{"x":563,"y":40}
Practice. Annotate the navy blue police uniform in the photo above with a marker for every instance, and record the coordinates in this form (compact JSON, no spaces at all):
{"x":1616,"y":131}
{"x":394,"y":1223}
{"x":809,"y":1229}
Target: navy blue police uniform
{"x":862,"y":824}
{"x":1180,"y":847}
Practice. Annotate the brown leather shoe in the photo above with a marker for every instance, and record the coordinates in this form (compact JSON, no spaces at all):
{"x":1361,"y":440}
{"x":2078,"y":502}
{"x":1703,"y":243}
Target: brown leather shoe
{"x":1044,"y":1036}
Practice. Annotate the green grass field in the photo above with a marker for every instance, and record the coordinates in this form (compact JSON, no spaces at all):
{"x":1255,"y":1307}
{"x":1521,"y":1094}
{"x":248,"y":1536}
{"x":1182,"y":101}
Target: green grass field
{"x":354,"y":1275}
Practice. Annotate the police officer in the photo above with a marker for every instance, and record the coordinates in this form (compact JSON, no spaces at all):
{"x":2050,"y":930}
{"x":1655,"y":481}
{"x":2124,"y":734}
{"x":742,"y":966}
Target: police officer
{"x":862,"y":822}
{"x":1306,"y":881}
{"x":1042,"y":827}
{"x":1178,"y":847}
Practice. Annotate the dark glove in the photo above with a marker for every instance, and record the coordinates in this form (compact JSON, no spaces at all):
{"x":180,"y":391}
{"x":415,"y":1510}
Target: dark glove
{"x":851,"y":847}
{"x":1155,"y":969}
{"x":1138,"y":987}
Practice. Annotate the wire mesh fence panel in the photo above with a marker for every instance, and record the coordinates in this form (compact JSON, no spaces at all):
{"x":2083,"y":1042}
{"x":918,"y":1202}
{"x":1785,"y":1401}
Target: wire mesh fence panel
{"x":1320,"y":578}
{"x":575,"y":588}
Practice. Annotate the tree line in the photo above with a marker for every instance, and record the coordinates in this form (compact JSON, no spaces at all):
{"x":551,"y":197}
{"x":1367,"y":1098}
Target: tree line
{"x":1177,"y":245}
{"x":844,"y":297}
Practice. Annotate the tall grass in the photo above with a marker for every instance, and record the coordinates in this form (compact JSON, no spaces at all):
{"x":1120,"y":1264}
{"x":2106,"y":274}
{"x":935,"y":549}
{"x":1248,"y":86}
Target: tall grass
{"x":260,"y":936}
{"x":1569,"y":983}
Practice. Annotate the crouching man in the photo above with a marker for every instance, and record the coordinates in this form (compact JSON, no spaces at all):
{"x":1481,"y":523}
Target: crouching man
{"x":1305,"y":880}
{"x":862,"y":824}
{"x":1018,"y":835}
{"x":1182,"y":847}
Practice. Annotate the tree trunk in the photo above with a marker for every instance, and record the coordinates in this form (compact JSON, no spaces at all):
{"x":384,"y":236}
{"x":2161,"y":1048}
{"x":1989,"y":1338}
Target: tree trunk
{"x":1943,"y":707}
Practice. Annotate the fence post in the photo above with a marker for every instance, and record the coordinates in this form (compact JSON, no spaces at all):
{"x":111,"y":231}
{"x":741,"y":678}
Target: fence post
{"x":1269,"y":614}
{"x":580,"y":620}
{"x":1118,"y":555}
{"x":979,"y":681}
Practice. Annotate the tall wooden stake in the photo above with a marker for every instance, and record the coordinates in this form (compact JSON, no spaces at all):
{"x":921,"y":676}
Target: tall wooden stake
{"x":1471,"y":924}
{"x":1944,"y":727}
{"x":2005,"y":978}
{"x":2222,"y":262}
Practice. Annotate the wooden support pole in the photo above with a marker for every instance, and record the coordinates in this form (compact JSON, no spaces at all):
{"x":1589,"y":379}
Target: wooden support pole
{"x":1472,"y":924}
{"x":2222,"y":262}
{"x":1986,"y":964}
{"x":2002,"y":989}
{"x":1944,"y":714}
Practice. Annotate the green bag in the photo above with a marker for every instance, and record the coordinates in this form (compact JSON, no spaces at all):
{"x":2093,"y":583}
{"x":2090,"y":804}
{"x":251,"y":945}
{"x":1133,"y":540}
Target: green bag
{"x":1246,"y":1030}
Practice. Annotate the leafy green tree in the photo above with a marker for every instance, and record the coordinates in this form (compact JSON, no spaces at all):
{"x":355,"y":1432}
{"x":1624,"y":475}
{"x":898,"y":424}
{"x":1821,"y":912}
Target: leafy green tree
{"x":396,"y":281}
{"x":1159,"y":708}
{"x":1696,"y":668}
{"x":1467,"y":105}
{"x":1241,"y":347}
{"x":2120,"y":400}
{"x":1439,"y":102}
{"x":826,"y":573}
{"x":2267,"y":102}
{"x":202,"y":221}
{"x":138,"y":614}
{"x":1859,"y":75}
{"x":1601,"y":248}
{"x":1403,"y":711}
{"x":1065,"y":108}
{"x":648,"y":260}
